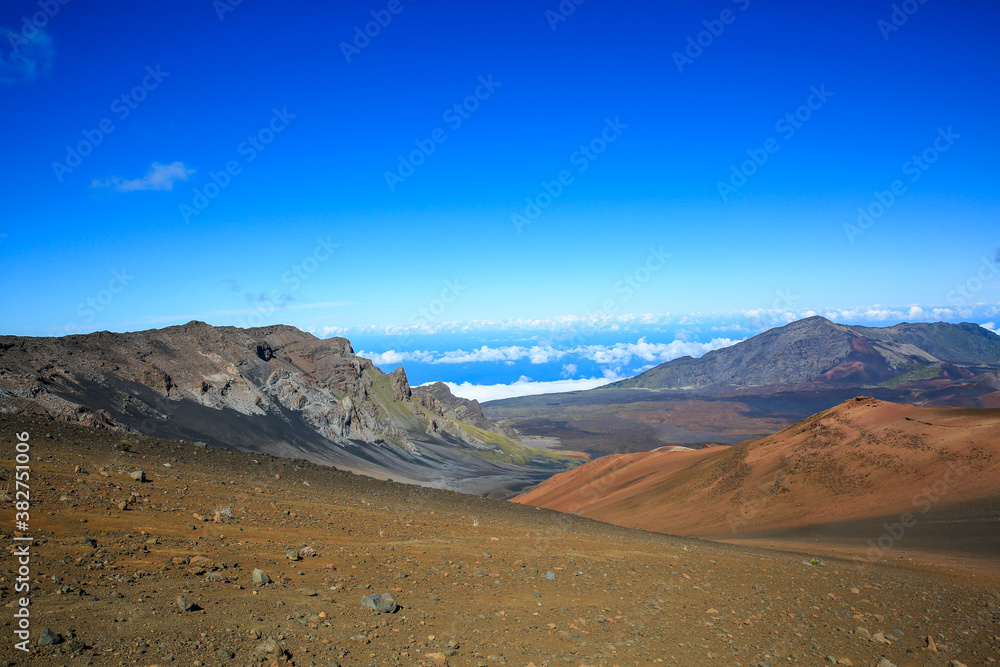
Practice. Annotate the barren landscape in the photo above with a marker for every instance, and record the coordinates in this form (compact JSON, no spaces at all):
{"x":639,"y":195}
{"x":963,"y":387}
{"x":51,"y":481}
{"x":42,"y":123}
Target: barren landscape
{"x":478,"y":581}
{"x":866,"y":479}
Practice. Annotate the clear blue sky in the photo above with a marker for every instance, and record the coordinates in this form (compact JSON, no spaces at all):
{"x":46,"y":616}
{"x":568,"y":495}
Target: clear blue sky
{"x":323,"y":174}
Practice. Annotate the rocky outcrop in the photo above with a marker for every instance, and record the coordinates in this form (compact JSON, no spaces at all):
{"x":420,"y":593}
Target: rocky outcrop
{"x":274,"y":389}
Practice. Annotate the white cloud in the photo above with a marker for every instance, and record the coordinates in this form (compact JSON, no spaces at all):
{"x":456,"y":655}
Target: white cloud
{"x":618,"y":355}
{"x":992,"y":326}
{"x":159,"y":177}
{"x":28,"y":58}
{"x":524,"y":387}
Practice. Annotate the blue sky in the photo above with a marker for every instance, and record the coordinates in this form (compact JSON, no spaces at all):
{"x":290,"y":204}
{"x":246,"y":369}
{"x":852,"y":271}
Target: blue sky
{"x":266,"y":164}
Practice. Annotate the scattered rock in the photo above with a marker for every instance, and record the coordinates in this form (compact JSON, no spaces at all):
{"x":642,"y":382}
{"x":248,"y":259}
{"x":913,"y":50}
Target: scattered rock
{"x":89,"y":542}
{"x":269,"y":646}
{"x":550,"y":575}
{"x":293,"y":555}
{"x":138,"y":476}
{"x":931,"y":646}
{"x":260,"y":577}
{"x":862,"y":632}
{"x":385,"y":603}
{"x":186,"y":605}
{"x":48,"y":638}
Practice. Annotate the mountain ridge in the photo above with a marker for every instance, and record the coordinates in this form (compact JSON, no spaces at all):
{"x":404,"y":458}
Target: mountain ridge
{"x":274,"y":389}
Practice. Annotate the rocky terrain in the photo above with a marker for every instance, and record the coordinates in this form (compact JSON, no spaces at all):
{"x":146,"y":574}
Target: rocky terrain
{"x":867,"y":479}
{"x":222,"y":557}
{"x":273,"y":389}
{"x":767,"y":382}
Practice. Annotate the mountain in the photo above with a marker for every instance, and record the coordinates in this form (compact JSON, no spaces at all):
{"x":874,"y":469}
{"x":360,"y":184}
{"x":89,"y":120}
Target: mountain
{"x":848,"y":471}
{"x":815,"y":350}
{"x":272,"y":389}
{"x":767,"y":382}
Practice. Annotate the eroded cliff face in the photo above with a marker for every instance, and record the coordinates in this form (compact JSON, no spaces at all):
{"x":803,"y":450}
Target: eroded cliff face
{"x":296,"y":395}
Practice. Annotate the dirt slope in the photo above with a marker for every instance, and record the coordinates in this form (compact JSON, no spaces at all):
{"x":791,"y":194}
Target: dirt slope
{"x":860,"y":460}
{"x":480,"y":582}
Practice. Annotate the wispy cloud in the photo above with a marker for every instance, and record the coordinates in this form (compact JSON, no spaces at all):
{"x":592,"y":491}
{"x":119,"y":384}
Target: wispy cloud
{"x":28,"y":59}
{"x":159,"y":177}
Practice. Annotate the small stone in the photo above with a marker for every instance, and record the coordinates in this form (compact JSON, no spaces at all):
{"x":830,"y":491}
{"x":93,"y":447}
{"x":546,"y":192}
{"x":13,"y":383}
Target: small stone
{"x":931,"y":646}
{"x":138,"y":476}
{"x":292,"y":555}
{"x":48,"y":638}
{"x":89,"y":542}
{"x":123,"y":505}
{"x":260,"y":577}
{"x":385,"y":603}
{"x":862,"y":632}
{"x":550,"y":575}
{"x":885,"y":662}
{"x":185,"y":604}
{"x":269,"y":646}
{"x":438,"y":659}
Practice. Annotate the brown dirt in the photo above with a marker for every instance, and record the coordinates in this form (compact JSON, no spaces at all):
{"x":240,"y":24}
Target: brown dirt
{"x":842,"y":474}
{"x":467,"y":571}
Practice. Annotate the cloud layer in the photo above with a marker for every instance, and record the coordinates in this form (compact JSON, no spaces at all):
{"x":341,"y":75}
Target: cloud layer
{"x":616,"y":356}
{"x":523,"y":387}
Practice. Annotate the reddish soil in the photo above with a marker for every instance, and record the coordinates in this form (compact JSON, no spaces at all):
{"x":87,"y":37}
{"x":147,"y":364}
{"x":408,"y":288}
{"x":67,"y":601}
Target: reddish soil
{"x":864,"y":462}
{"x":480,"y":582}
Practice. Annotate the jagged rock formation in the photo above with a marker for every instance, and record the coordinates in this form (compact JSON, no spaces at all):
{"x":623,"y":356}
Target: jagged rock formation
{"x":274,"y":389}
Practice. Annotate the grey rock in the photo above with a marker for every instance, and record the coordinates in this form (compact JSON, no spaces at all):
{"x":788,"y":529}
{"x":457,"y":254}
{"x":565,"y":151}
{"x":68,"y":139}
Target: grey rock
{"x":550,"y":575}
{"x":269,"y":646}
{"x":138,"y":476}
{"x":48,"y":638}
{"x":89,"y":542}
{"x":186,"y":605}
{"x":260,"y":577}
{"x":385,"y":603}
{"x":862,"y":632}
{"x":292,"y":555}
